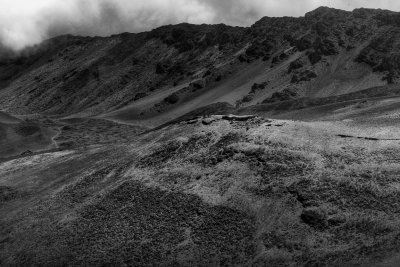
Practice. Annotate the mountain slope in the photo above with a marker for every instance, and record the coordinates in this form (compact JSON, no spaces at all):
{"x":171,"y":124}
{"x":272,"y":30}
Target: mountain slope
{"x":160,"y":75}
{"x":212,"y":191}
{"x":123,"y":150}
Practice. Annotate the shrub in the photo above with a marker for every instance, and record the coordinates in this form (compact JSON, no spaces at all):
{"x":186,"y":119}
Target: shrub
{"x":172,"y":99}
{"x":314,"y":57}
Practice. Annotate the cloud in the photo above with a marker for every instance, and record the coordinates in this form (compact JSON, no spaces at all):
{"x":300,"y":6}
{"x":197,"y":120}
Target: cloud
{"x":27,"y":22}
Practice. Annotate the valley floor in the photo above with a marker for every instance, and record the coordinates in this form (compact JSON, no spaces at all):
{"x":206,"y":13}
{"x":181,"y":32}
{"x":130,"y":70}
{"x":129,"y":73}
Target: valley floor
{"x":211,"y":191}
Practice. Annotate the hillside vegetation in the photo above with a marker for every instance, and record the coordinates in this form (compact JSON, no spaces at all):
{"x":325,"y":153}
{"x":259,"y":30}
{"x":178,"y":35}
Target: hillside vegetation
{"x":205,"y":145}
{"x":211,"y":191}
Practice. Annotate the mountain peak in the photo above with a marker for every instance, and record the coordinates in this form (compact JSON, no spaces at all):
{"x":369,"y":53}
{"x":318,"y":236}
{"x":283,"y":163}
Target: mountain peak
{"x":323,"y":10}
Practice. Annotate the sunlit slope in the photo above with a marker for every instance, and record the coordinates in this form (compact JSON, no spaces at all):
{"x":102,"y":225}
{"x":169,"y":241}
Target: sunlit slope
{"x":211,"y":191}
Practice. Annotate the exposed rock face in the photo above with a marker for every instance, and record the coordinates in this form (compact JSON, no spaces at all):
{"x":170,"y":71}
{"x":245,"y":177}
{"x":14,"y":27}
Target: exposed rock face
{"x":287,"y":94}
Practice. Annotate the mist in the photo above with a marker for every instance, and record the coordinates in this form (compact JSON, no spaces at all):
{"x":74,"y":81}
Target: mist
{"x":27,"y":22}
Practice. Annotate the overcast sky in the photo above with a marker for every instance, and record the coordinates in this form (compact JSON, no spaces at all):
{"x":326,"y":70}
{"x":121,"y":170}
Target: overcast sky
{"x":27,"y":22}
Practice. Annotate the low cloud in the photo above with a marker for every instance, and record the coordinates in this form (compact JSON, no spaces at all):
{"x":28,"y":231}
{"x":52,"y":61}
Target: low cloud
{"x":28,"y":22}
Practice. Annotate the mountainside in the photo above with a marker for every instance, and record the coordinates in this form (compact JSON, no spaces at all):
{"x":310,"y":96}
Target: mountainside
{"x":156,"y":76}
{"x":205,"y":145}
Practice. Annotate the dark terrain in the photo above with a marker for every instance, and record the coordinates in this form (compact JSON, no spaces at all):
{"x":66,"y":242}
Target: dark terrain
{"x":122,"y":150}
